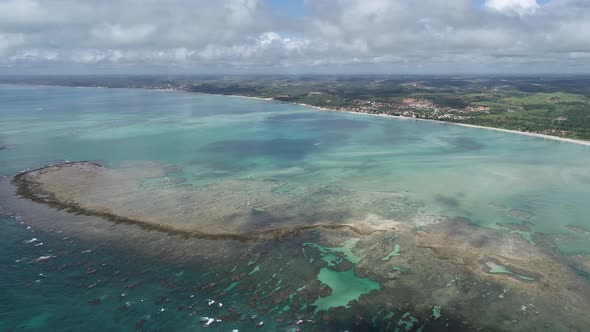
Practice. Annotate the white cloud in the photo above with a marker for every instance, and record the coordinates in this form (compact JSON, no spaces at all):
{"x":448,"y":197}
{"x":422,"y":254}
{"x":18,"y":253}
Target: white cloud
{"x":9,"y":41}
{"x":243,"y":33}
{"x":121,"y":34}
{"x":520,"y":7}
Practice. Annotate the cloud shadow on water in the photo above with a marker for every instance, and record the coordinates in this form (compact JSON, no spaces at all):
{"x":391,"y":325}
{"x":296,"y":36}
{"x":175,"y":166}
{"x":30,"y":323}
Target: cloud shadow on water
{"x":464,"y":144}
{"x":280,"y":149}
{"x":316,"y":121}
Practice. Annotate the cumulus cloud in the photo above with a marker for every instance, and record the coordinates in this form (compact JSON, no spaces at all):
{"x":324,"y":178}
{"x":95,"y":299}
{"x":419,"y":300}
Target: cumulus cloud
{"x":121,"y":34}
{"x":520,"y":7}
{"x":237,"y":34}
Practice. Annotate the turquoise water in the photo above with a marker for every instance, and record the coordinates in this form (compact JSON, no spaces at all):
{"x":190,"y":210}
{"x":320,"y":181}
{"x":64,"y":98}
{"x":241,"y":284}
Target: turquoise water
{"x":497,"y":180}
{"x":495,"y":268}
{"x":342,"y":292}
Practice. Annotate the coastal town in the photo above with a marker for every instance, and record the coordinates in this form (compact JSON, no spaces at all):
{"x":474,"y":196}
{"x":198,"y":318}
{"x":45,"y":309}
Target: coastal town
{"x":409,"y":108}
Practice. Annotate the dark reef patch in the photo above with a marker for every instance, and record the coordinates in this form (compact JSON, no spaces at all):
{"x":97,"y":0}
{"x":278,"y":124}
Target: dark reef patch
{"x":316,"y":121}
{"x":447,"y":200}
{"x":278,"y":148}
{"x":465,"y":144}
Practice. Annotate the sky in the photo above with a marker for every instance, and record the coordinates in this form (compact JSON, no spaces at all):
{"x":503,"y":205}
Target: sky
{"x":294,"y":36}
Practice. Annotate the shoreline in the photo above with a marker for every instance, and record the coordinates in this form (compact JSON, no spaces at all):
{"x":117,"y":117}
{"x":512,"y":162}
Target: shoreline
{"x":319,"y":108}
{"x":555,"y":138}
{"x":530,"y":134}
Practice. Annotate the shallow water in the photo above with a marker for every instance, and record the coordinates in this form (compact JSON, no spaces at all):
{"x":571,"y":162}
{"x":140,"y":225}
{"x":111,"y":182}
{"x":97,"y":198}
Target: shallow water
{"x":496,"y":180}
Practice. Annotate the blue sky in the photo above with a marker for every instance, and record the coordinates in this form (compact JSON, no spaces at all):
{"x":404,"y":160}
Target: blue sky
{"x":294,"y":36}
{"x":294,"y":8}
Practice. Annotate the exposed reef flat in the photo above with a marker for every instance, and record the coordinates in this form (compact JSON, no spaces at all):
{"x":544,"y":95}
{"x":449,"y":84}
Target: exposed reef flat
{"x":435,"y":276}
{"x":232,"y":209}
{"x":478,"y":272}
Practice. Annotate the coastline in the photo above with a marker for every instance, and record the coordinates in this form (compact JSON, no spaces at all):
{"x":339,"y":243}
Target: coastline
{"x":530,"y":134}
{"x":555,"y":138}
{"x":318,"y":108}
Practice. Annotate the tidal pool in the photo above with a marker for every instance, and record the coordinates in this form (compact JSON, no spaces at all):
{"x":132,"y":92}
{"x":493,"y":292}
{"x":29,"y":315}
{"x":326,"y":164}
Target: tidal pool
{"x":345,"y":286}
{"x":246,"y":211}
{"x":501,"y":269}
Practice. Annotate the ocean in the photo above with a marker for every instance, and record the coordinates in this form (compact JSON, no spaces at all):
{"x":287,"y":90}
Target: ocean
{"x":456,"y":227}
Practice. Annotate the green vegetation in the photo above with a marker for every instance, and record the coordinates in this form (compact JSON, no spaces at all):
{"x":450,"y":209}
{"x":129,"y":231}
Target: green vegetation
{"x":552,"y":105}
